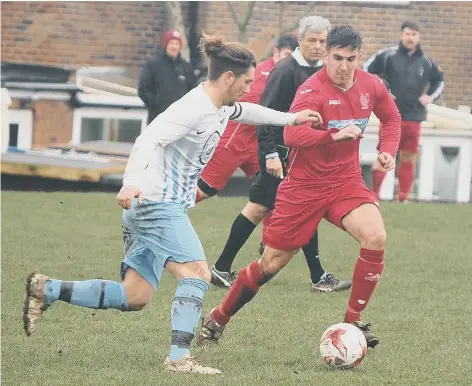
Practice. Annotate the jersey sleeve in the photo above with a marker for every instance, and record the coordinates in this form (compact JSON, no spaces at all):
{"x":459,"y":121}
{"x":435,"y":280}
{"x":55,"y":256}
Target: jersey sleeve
{"x":168,"y":127}
{"x":253,"y":114}
{"x":386,"y":110}
{"x":305,"y":135}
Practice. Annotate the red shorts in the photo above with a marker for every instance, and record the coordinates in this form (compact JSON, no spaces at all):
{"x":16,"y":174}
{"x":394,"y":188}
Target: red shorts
{"x":299,"y":208}
{"x":225,"y":162}
{"x":410,"y":139}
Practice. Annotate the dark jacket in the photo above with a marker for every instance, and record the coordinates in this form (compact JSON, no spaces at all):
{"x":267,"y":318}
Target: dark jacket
{"x":407,"y":77}
{"x":282,"y":85}
{"x":163,"y":81}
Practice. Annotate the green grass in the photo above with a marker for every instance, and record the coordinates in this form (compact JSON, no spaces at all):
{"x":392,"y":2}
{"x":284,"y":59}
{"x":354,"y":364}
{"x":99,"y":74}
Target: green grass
{"x":422,"y":309}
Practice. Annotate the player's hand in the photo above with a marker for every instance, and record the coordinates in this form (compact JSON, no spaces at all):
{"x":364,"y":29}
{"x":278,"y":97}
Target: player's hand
{"x":384,"y":162}
{"x":274,"y":167}
{"x":350,"y":132}
{"x":126,"y":195}
{"x":308,"y":116}
{"x":425,"y":100}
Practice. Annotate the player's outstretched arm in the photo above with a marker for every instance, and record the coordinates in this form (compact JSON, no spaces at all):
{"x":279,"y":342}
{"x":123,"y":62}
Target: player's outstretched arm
{"x":253,"y":114}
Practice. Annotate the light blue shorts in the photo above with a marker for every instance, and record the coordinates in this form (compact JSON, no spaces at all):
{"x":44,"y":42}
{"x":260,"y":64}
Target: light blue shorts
{"x":155,"y":232}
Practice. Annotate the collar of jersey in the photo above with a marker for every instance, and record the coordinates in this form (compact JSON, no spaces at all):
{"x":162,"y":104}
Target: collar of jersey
{"x":324,"y":74}
{"x":297,"y":55}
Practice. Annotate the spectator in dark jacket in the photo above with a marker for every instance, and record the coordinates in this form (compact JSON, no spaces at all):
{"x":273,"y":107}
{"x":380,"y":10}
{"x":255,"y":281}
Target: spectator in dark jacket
{"x":415,"y":80}
{"x":165,"y":77}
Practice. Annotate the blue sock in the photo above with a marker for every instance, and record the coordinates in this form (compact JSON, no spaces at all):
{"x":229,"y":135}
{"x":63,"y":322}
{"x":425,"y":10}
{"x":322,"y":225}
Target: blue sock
{"x":101,"y":294}
{"x":186,"y":311}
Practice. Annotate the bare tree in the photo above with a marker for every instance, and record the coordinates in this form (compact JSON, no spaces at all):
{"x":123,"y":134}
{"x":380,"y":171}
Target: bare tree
{"x":281,"y":29}
{"x":173,"y":15}
{"x":242,"y":25}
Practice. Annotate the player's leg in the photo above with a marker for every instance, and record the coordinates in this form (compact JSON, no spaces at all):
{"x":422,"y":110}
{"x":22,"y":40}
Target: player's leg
{"x":139,"y":271}
{"x":41,"y":291}
{"x":291,"y":227}
{"x":242,"y":228}
{"x":187,"y":263}
{"x":360,"y":217}
{"x":409,"y":148}
{"x":217,"y":173}
{"x":245,"y":287}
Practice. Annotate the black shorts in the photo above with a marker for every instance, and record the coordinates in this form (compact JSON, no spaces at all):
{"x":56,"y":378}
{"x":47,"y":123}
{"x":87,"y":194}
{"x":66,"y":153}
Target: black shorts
{"x":264,"y":190}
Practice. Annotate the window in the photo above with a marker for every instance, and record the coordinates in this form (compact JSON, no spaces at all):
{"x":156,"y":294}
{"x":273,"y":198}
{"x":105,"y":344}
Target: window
{"x":104,"y":124}
{"x":13,"y":141}
{"x":113,"y":130}
{"x":20,"y":127}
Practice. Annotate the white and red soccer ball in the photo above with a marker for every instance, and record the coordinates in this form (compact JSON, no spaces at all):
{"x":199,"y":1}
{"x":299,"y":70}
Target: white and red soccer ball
{"x":343,"y":346}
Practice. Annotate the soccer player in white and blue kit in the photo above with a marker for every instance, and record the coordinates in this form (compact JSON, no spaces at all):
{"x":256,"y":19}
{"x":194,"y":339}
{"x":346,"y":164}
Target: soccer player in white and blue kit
{"x":159,"y":186}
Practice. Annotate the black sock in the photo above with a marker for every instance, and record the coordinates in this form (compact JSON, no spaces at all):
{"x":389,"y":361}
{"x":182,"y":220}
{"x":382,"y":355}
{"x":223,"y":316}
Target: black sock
{"x":240,"y":232}
{"x":313,"y":259}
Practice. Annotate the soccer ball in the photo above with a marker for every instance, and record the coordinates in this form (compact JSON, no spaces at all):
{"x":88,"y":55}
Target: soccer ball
{"x":343,"y":346}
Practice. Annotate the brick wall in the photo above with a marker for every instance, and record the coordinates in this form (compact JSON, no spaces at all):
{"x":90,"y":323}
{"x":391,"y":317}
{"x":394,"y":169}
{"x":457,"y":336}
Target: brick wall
{"x":52,"y":123}
{"x":74,"y":34}
{"x":446,"y":31}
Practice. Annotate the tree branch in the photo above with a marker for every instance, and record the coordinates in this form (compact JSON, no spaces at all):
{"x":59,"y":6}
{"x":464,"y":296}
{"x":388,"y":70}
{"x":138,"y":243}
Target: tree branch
{"x":242,"y":25}
{"x":281,"y":15}
{"x":309,"y":7}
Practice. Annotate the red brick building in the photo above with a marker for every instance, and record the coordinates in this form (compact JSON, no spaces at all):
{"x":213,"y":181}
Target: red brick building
{"x":72,"y":35}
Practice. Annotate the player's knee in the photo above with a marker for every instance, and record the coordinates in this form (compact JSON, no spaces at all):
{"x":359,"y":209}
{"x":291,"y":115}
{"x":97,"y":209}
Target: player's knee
{"x":136,"y":306}
{"x":138,"y":298}
{"x":137,"y":302}
{"x":376,"y":239}
{"x":201,"y":271}
{"x":255,"y":212}
{"x":271,"y":264}
{"x":206,"y":189}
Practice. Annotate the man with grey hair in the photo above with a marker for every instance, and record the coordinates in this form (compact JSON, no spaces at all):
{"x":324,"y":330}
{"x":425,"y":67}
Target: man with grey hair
{"x":282,"y":84}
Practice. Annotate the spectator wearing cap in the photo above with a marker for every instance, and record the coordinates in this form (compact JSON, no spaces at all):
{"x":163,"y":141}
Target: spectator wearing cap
{"x":166,"y":77}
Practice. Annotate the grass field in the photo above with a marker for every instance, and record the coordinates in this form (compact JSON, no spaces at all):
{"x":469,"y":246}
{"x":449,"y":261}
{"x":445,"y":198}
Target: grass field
{"x":422,"y":309}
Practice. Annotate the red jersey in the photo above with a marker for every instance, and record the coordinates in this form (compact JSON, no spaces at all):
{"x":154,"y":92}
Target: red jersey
{"x":317,"y":158}
{"x":240,"y":136}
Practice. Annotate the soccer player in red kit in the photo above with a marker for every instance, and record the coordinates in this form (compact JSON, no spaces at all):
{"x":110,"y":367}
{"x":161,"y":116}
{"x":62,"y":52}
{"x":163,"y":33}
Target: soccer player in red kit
{"x":238,"y":145}
{"x":324,"y":180}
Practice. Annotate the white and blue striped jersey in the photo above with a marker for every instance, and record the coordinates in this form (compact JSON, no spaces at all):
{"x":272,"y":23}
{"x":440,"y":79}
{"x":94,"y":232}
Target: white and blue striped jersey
{"x":169,"y":156}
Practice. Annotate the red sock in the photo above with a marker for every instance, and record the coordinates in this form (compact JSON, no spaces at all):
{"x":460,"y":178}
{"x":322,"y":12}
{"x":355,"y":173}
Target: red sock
{"x":244,"y":288}
{"x":367,"y":273}
{"x":406,"y":175}
{"x":377,"y":179}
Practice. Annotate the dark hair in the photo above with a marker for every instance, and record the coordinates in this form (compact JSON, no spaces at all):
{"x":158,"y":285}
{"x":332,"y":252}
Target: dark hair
{"x":225,"y":57}
{"x":287,"y":41}
{"x":344,"y":36}
{"x":411,"y":25}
